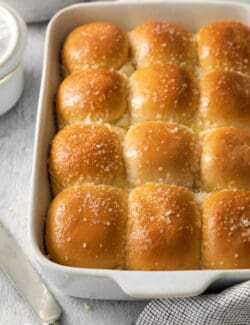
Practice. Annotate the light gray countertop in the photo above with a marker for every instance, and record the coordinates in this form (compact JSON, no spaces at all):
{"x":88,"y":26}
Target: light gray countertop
{"x":16,"y":148}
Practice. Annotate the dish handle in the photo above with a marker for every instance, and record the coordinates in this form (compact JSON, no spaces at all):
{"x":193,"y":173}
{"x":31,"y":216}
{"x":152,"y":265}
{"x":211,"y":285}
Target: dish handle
{"x":165,"y":284}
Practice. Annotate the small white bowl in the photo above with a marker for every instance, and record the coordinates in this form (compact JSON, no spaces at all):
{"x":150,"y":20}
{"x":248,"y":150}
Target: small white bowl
{"x":11,"y":88}
{"x":13,"y":35}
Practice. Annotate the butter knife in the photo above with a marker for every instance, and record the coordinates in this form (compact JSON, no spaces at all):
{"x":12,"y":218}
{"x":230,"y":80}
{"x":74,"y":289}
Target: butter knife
{"x":27,"y":281}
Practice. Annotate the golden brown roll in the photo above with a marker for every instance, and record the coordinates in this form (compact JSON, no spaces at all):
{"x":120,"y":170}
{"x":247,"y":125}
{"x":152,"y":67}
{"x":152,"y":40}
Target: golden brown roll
{"x":91,"y":95}
{"x":86,"y":227}
{"x":95,"y":45}
{"x":163,"y":92}
{"x":226,"y":230}
{"x":160,"y":42}
{"x":87,"y":153}
{"x":161,"y":152}
{"x":163,"y":229}
{"x":225,"y":159}
{"x":224,"y":46}
{"x":225,"y":99}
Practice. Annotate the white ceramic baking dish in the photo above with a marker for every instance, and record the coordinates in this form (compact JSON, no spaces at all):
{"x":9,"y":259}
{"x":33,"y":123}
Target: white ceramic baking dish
{"x":114,"y":284}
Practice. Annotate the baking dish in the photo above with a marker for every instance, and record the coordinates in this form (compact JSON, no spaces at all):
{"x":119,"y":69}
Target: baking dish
{"x":114,"y":284}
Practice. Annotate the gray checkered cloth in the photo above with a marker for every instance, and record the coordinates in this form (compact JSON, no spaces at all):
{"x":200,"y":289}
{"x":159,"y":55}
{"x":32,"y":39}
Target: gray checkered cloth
{"x":230,"y":307}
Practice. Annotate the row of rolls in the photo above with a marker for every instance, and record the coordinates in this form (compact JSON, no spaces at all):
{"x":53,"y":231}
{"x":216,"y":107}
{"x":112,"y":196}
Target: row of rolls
{"x":217,"y":46}
{"x":150,"y":122}
{"x":154,"y":151}
{"x":151,"y":227}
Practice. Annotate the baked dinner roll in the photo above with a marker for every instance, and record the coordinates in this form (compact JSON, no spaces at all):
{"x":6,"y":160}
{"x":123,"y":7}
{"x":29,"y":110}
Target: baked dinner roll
{"x":160,"y":42}
{"x":225,"y":159}
{"x":89,"y":153}
{"x":225,"y":99}
{"x":163,"y":92}
{"x":226,"y":230}
{"x":86,"y":227}
{"x":163,"y":229}
{"x":95,"y":45}
{"x":224,"y":46}
{"x":161,"y":152}
{"x":91,"y":95}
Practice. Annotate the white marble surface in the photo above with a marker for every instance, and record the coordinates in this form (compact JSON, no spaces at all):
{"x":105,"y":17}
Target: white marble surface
{"x":16,"y":147}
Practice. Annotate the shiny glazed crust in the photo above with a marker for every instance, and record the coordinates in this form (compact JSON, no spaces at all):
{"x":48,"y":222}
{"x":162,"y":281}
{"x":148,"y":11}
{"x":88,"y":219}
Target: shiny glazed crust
{"x":163,"y":92}
{"x":95,"y":45}
{"x":225,"y":159}
{"x":86,"y":227}
{"x":89,"y":153}
{"x":163,"y":229}
{"x":225,"y":100}
{"x":158,"y":42}
{"x":226,"y":230}
{"x":161,"y":152}
{"x":92,"y":95}
{"x":224,"y":46}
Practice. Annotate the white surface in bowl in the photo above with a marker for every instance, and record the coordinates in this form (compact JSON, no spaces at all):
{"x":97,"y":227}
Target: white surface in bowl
{"x":8,"y":34}
{"x":16,"y":148}
{"x":13,"y":35}
{"x":11,"y":84}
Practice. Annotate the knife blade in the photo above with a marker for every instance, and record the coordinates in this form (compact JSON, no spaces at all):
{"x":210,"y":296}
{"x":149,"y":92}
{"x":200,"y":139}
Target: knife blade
{"x":26,"y":280}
